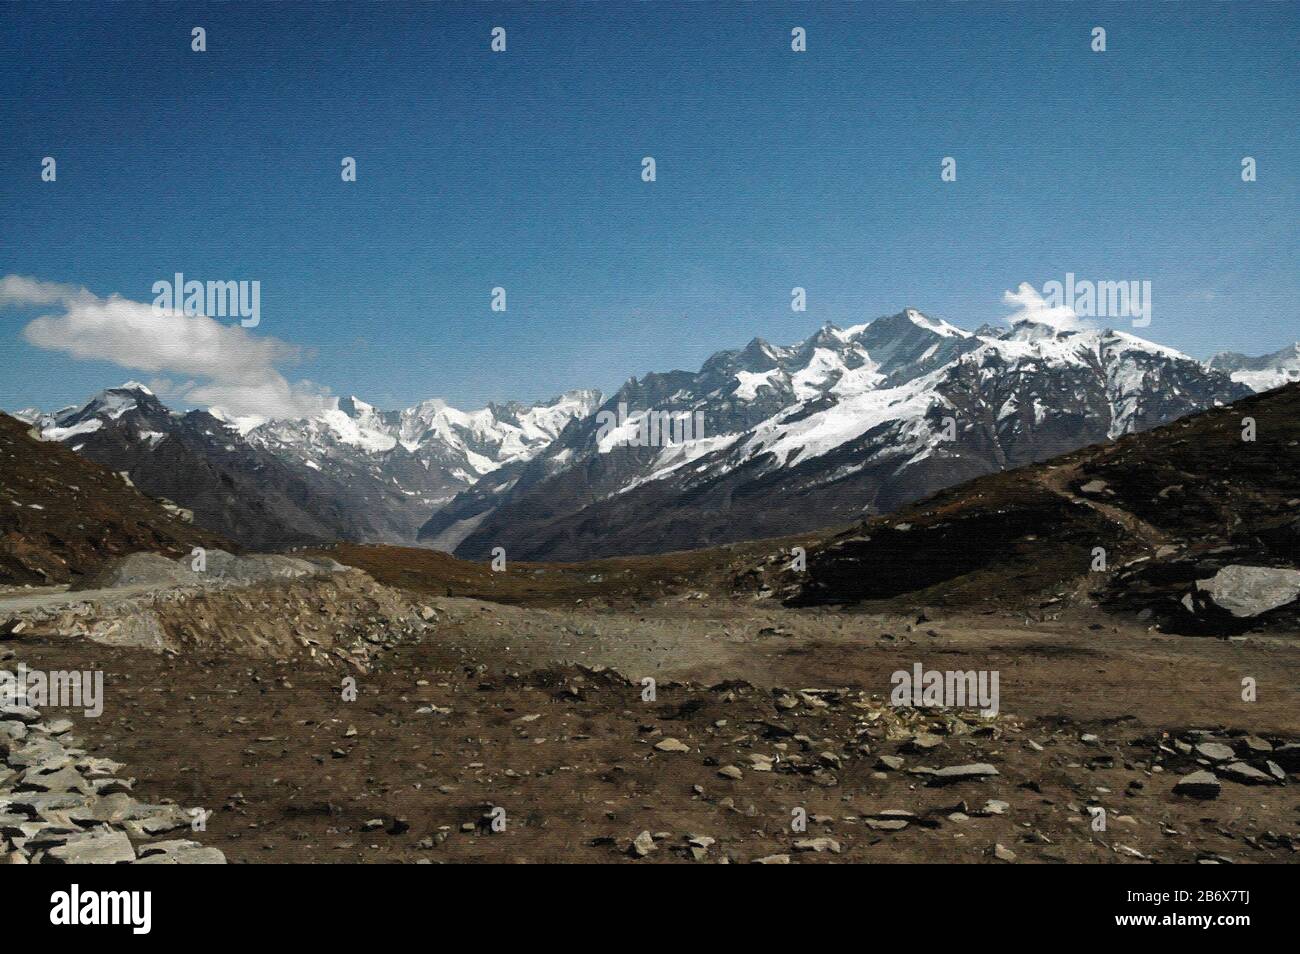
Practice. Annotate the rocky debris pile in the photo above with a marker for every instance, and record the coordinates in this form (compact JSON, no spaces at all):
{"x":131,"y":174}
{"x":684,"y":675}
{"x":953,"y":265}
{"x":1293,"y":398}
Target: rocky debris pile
{"x":59,"y":805}
{"x":333,"y":615}
{"x":214,"y":567}
{"x":1204,"y":759}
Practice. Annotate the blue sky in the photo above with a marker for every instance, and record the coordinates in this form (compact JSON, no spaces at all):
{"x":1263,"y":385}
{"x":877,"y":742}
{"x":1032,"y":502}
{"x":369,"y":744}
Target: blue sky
{"x":774,"y":169}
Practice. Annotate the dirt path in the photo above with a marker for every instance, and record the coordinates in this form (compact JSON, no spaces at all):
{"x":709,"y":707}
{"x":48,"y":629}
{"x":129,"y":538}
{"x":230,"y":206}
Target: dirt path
{"x":1057,"y":480}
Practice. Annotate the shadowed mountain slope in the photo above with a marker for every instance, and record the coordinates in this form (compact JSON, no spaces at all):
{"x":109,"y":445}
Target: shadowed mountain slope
{"x":62,"y":515}
{"x":1169,"y":507}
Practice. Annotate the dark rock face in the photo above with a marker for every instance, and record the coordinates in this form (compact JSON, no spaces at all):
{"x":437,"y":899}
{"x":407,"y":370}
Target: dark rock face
{"x":845,"y":424}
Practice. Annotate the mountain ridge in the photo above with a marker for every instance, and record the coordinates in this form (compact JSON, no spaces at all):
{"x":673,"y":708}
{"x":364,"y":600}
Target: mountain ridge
{"x":843,"y":423}
{"x":857,"y":409}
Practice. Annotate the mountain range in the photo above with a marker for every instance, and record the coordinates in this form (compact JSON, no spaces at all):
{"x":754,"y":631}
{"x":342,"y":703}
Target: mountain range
{"x":778,"y":439}
{"x":845,"y":424}
{"x":350,"y":473}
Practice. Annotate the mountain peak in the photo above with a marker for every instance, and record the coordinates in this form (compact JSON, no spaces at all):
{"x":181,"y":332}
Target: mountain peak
{"x":937,"y":325}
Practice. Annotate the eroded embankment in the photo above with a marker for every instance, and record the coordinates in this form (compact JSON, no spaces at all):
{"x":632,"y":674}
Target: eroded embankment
{"x":337,"y":616}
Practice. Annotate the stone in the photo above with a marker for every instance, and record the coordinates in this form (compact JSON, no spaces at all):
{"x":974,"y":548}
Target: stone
{"x":1288,"y":756}
{"x":1198,"y":785}
{"x":99,"y":768}
{"x":953,"y":774}
{"x":885,"y":824}
{"x":1003,"y":853}
{"x":1216,"y":751}
{"x":922,"y":742}
{"x":818,"y":845}
{"x":1246,"y":591}
{"x":153,"y":820}
{"x":66,"y":779}
{"x":1245,"y":774}
{"x":179,"y":852}
{"x":97,"y":848}
{"x":143,"y":569}
{"x":773,"y":860}
{"x":672,"y":745}
{"x":731,"y":772}
{"x":25,"y":714}
{"x":643,"y":844}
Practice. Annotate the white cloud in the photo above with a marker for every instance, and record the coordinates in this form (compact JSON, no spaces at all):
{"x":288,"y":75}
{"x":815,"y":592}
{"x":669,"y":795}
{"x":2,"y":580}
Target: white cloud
{"x":227,"y":366}
{"x":1029,"y":305}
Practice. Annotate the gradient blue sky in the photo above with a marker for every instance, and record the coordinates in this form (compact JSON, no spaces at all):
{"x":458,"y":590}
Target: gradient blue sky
{"x":522,"y":169}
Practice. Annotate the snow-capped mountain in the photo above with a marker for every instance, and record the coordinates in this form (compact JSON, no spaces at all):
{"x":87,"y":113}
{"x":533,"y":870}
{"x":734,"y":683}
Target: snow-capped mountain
{"x":352,"y":472}
{"x":848,"y":421}
{"x":419,"y":458}
{"x":775,"y":440}
{"x":201,"y":464}
{"x":1263,"y":373}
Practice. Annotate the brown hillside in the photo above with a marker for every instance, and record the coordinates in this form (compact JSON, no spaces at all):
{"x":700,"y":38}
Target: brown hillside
{"x":62,"y":515}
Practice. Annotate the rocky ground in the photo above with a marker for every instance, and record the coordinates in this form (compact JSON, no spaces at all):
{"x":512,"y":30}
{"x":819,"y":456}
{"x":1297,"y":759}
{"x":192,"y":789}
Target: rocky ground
{"x":61,"y":805}
{"x":517,"y":733}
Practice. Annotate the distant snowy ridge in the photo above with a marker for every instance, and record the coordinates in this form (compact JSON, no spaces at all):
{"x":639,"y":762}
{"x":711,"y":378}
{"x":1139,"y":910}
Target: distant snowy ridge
{"x":1263,"y":373}
{"x":860,"y":419}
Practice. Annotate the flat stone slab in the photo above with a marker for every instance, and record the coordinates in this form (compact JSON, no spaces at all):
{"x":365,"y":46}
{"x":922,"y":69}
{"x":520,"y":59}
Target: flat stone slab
{"x":100,"y":848}
{"x":1199,"y":785}
{"x":1245,"y":774}
{"x":956,"y":773}
{"x":179,"y":852}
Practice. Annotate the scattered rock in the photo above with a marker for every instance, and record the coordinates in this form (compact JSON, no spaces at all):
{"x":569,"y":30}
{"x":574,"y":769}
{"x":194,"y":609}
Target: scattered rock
{"x":672,"y":745}
{"x":93,"y":848}
{"x":1215,"y":751}
{"x":956,"y":773}
{"x":1198,"y":785}
{"x":643,"y":844}
{"x":818,"y":845}
{"x":1245,"y":774}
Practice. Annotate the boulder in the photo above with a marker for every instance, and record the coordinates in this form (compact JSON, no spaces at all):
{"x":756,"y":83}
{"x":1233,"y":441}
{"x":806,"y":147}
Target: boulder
{"x":1246,"y":591}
